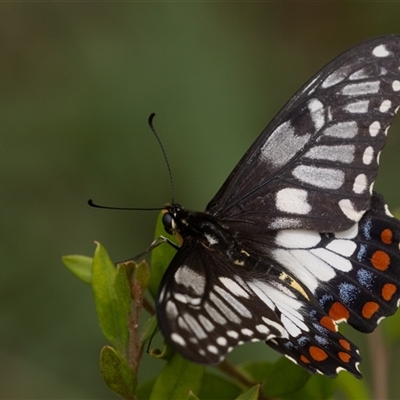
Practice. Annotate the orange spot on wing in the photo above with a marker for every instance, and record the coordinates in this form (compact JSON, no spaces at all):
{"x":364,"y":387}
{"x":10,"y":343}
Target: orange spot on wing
{"x":328,"y":323}
{"x":380,"y":260}
{"x":304,"y":359}
{"x":386,"y":236}
{"x":317,"y":353}
{"x":388,"y":290}
{"x":345,"y":344}
{"x":369,"y":309}
{"x":345,"y":357}
{"x":339,"y":312}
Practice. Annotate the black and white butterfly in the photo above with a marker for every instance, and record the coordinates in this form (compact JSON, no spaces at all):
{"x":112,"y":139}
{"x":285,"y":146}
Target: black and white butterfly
{"x":295,"y":241}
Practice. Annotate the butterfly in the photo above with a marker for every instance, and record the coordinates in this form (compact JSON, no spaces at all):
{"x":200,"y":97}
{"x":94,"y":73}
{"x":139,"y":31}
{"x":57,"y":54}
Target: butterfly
{"x":296,"y":241}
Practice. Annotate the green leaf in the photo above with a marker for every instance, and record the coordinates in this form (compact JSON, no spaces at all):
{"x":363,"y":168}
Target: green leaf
{"x":144,"y":389}
{"x":80,"y":266}
{"x":216,"y":387}
{"x":251,"y":394}
{"x":116,"y":373}
{"x":113,"y":317}
{"x":122,"y":290}
{"x":142,"y":274}
{"x":285,"y":377}
{"x":177,"y":379}
{"x":318,"y":387}
{"x":161,"y":256}
{"x":352,"y":387}
{"x":192,"y":396}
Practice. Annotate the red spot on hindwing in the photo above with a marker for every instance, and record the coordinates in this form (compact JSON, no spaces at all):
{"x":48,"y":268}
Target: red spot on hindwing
{"x":387,"y":236}
{"x":304,"y":359}
{"x":369,"y":309}
{"x":380,"y":260}
{"x":345,"y":357}
{"x":345,"y":344}
{"x":328,"y":323}
{"x":338,"y":312}
{"x":388,"y":290}
{"x":317,"y":353}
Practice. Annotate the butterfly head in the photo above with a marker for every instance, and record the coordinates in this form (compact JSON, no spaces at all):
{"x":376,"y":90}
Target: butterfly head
{"x":174,"y":218}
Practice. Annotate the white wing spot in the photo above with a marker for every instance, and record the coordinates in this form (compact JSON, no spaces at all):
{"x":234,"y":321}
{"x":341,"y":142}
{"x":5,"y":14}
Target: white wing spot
{"x":195,"y":326}
{"x":282,"y":332}
{"x":326,"y":178}
{"x":378,"y":157}
{"x":293,"y":201}
{"x":223,"y":308}
{"x":358,"y":107}
{"x":349,"y":211}
{"x":357,"y":89}
{"x":263,"y":329}
{"x":208,"y":325}
{"x":340,"y":153}
{"x":317,"y":113}
{"x":385,"y":106}
{"x":396,"y":85}
{"x":171,"y":310}
{"x":285,"y":223}
{"x":222,"y":341}
{"x":360,"y":74}
{"x":247,"y":332}
{"x":350,"y":233}
{"x":334,"y":78}
{"x":178,"y":339}
{"x":233,"y":302}
{"x":211,"y":239}
{"x":360,"y":184}
{"x":345,"y":130}
{"x":233,"y":334}
{"x":368,"y":155}
{"x":297,"y":239}
{"x":380,"y":51}
{"x":181,"y":298}
{"x":214,"y":314}
{"x":233,"y":287}
{"x":344,"y":247}
{"x":387,"y":212}
{"x":212,"y":349}
{"x":187,"y":277}
{"x":374,"y":128}
{"x":290,"y":326}
{"x":371,"y":188}
{"x":282,"y":145}
{"x":335,"y":260}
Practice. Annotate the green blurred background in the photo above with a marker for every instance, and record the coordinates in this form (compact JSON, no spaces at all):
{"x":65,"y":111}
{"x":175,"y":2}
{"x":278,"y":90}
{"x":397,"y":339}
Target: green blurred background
{"x":78,"y":82}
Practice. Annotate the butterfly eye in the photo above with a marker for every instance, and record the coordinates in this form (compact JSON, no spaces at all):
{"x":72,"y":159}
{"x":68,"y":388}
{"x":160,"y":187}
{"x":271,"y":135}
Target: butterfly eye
{"x":169,"y":223}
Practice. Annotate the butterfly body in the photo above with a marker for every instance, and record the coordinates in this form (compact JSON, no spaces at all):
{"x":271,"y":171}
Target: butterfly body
{"x":296,"y":241}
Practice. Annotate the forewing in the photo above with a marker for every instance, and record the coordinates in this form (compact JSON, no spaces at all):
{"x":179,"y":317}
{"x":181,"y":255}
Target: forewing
{"x":314,"y":165}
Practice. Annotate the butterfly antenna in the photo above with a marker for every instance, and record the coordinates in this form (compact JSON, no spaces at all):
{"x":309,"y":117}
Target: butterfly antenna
{"x":171,"y":181}
{"x":94,"y":205}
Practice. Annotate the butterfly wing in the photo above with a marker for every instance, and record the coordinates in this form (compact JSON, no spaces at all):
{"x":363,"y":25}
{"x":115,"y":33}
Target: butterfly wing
{"x":208,"y":305}
{"x":314,"y":165}
{"x":303,"y":242}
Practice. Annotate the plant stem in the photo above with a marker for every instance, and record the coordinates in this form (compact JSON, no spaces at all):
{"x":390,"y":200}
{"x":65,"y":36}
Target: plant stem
{"x":379,"y":366}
